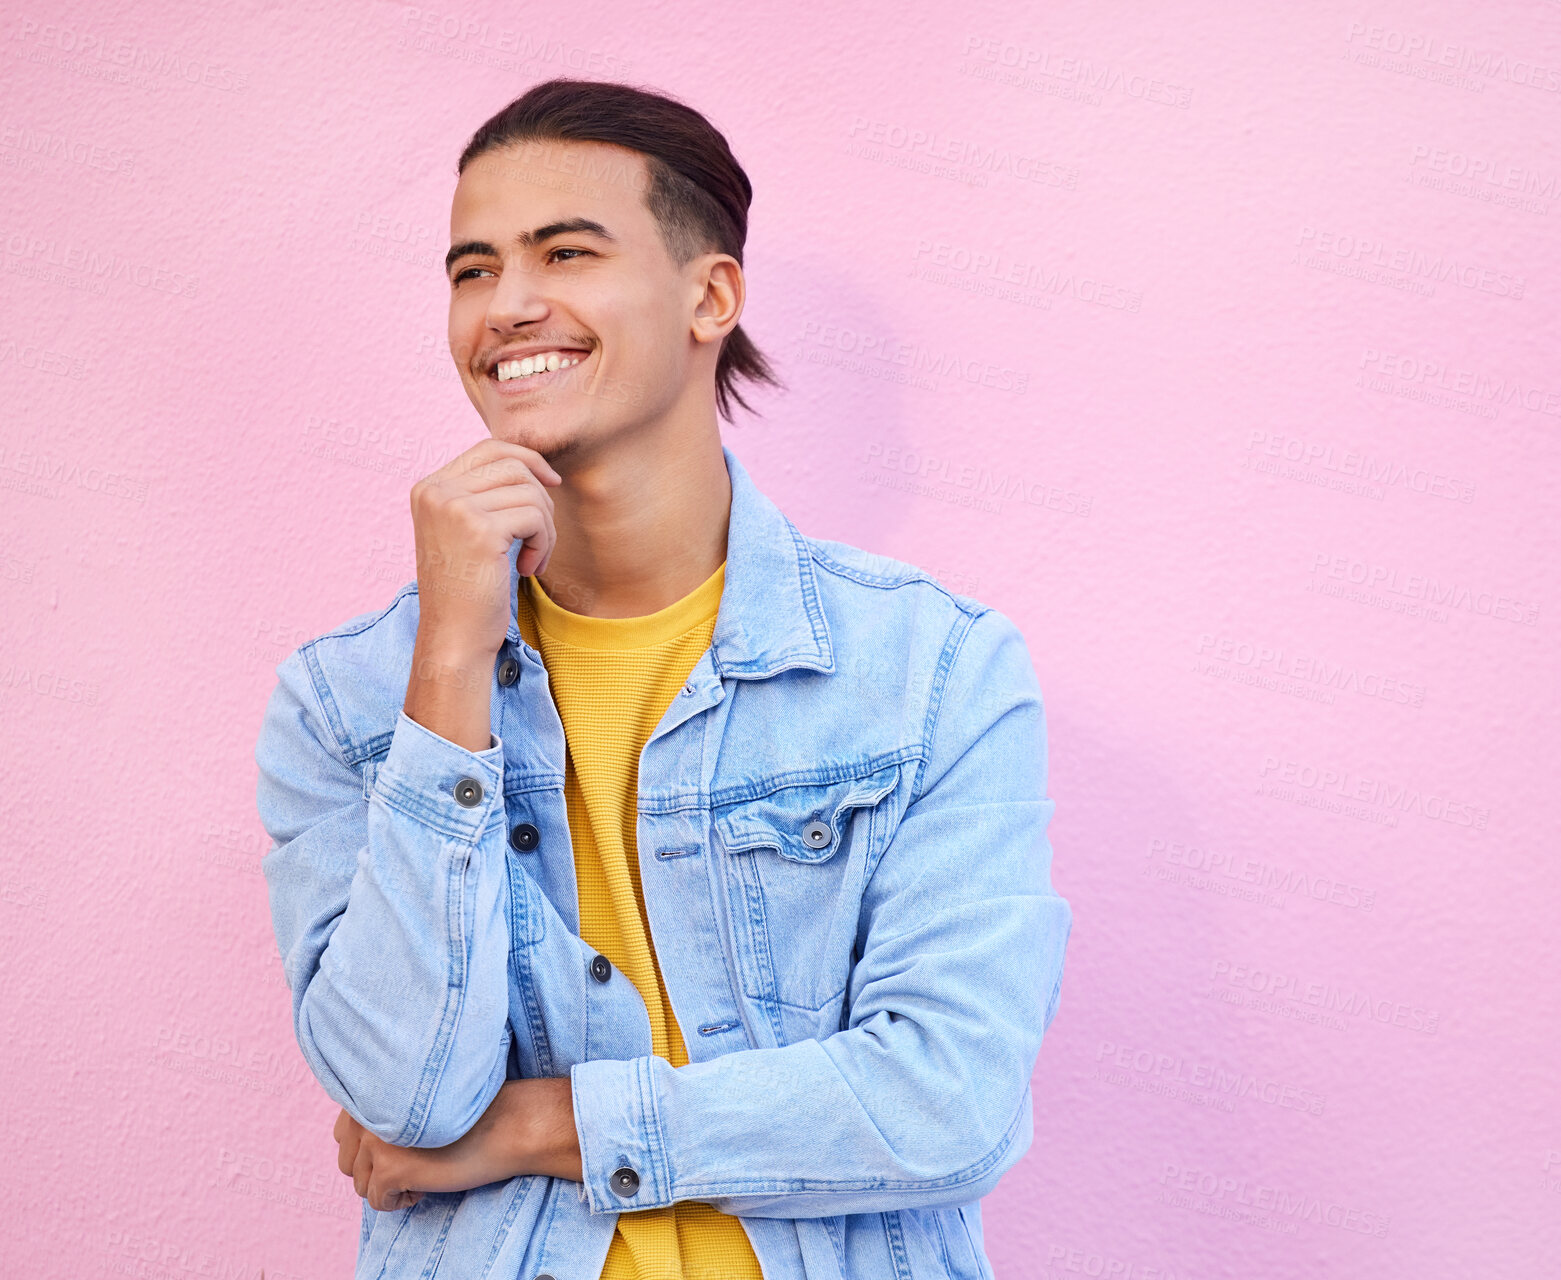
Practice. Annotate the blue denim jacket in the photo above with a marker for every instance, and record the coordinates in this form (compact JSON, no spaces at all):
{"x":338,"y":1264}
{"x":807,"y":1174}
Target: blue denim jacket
{"x":842,"y":839}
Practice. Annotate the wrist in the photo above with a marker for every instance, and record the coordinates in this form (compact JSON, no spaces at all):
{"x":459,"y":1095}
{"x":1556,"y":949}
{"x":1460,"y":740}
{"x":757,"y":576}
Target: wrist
{"x":452,"y":651}
{"x":538,"y":1128}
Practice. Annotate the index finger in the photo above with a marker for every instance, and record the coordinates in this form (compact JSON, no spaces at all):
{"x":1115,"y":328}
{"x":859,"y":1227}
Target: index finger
{"x":538,"y":464}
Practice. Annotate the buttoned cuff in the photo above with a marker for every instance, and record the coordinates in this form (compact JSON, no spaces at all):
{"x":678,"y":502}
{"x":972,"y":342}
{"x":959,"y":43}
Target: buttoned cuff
{"x":444,"y":785}
{"x":622,"y":1152}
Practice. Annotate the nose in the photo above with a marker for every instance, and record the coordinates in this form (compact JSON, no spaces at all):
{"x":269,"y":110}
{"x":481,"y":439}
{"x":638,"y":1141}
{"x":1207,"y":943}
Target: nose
{"x":516,"y":299}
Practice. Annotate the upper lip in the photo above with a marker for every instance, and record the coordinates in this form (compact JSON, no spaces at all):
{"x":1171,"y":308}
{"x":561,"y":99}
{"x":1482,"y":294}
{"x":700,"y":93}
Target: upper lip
{"x":530,"y":349}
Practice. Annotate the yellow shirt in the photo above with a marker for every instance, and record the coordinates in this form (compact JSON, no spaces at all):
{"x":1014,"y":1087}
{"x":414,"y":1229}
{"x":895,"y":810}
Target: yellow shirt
{"x":612,"y":679}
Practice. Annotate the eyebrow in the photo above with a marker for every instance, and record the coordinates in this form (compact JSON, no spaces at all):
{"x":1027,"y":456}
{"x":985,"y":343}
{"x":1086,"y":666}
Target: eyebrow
{"x":528,"y":239}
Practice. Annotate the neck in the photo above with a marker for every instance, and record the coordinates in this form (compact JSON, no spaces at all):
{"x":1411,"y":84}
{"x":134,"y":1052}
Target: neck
{"x":639,"y":525}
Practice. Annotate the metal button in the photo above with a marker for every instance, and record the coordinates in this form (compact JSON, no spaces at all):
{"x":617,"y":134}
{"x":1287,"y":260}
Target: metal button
{"x":625,"y":1182}
{"x":687,"y":689}
{"x":601,"y":968}
{"x":816,"y":835}
{"x":468,"y":792}
{"x":509,"y":672}
{"x":523,"y":837}
{"x":544,"y":1276}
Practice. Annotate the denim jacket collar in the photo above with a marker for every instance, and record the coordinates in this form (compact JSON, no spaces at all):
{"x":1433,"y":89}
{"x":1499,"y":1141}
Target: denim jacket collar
{"x":770,"y":617}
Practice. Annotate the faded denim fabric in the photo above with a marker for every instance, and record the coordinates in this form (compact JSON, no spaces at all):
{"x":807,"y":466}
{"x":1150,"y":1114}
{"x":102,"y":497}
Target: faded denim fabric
{"x":842,"y":838}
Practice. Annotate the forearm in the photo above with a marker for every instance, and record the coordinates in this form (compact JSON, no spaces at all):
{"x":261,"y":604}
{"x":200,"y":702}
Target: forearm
{"x":389,"y":915}
{"x":922,"y":1101}
{"x":527,"y":1130}
{"x":449,"y":690}
{"x":868,"y":1120}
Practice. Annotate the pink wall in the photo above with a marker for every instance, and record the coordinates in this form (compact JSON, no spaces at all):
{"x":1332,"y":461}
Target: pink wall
{"x":1274,"y":416}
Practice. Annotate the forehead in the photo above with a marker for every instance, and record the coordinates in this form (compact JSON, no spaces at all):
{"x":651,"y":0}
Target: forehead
{"x":528,"y":184}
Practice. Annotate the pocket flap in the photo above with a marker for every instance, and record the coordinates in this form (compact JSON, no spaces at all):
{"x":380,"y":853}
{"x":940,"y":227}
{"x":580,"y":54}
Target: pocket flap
{"x":803,"y":822}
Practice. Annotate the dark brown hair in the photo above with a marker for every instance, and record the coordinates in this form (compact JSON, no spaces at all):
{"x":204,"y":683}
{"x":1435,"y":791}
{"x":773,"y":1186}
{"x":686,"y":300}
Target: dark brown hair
{"x":698,"y":194}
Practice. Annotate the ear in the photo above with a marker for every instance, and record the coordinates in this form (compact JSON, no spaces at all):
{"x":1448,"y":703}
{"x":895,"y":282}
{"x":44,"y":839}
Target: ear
{"x":719,"y":304}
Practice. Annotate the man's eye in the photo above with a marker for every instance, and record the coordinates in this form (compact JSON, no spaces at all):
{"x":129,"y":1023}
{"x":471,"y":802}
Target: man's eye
{"x":551,"y":252}
{"x":461,"y":275}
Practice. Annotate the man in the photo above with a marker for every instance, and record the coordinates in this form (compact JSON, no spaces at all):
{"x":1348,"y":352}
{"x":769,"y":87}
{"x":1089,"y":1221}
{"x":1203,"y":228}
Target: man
{"x":663,"y":892}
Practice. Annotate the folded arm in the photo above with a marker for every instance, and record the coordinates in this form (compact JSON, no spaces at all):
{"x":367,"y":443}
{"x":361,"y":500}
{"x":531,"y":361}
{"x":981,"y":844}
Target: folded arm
{"x":923,"y":1099}
{"x":389,"y":915}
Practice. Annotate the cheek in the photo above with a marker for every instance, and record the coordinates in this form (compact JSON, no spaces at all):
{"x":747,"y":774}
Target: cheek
{"x":463,"y":334}
{"x":640,"y":337}
{"x":665,"y":334}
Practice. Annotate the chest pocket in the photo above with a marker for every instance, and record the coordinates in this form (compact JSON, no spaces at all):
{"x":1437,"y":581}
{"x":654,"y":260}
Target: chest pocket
{"x":796,"y":860}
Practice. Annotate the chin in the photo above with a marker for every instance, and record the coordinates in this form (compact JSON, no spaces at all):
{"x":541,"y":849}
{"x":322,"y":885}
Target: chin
{"x":552,"y":440}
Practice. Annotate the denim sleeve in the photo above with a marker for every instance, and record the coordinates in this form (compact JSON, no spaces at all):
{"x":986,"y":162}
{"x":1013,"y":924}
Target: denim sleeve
{"x":388,"y":909}
{"x":924,"y":1099}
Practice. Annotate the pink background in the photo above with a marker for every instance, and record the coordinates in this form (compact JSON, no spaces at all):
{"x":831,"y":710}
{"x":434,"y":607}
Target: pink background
{"x":1262,"y":460}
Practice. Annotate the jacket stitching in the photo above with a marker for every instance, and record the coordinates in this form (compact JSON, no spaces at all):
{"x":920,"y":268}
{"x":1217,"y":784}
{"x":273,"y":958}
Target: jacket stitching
{"x":519,"y":1189}
{"x":943,"y":1243}
{"x":439,"y":1056}
{"x":946,"y":661}
{"x":894,"y":1232}
{"x":436,"y":1254}
{"x":656,"y":1143}
{"x":983,"y":1267}
{"x":822,"y":775}
{"x":972,"y":1172}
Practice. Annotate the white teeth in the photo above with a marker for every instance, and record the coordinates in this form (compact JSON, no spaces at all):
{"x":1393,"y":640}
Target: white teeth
{"x":528,"y":365}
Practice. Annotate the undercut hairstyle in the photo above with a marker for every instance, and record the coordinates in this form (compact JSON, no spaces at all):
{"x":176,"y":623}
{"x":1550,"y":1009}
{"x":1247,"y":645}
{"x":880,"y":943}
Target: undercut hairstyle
{"x":698,"y":193}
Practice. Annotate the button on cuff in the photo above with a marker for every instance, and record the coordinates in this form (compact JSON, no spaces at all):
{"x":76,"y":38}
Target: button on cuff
{"x":438,"y":782}
{"x":622,"y":1149}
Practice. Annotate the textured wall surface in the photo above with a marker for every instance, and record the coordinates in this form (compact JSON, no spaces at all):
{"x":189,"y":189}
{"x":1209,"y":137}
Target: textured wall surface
{"x":1216,"y":344}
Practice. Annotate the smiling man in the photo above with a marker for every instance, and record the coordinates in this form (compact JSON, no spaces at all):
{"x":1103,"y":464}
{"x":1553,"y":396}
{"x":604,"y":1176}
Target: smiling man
{"x":663,"y":892}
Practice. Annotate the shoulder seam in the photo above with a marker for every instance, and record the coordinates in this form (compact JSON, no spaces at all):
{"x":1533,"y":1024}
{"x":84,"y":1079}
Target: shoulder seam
{"x":309,"y":660}
{"x":825,"y":560}
{"x":952,"y":648}
{"x":368,"y":620}
{"x":310,"y":666}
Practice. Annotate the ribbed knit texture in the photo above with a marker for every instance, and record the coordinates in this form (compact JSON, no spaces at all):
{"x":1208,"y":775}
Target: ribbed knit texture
{"x":612,"y":679}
